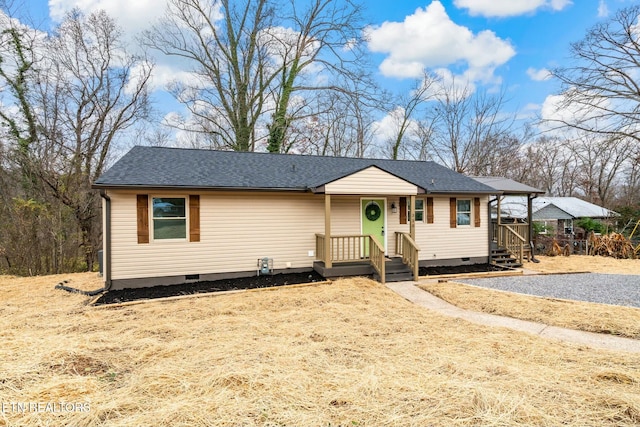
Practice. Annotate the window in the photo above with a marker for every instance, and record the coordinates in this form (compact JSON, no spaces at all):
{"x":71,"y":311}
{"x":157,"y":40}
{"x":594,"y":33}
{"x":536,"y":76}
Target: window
{"x":460,"y":212}
{"x":169,"y":218}
{"x":463,"y":212}
{"x":424,"y":210}
{"x":419,"y":210}
{"x":568,"y":226}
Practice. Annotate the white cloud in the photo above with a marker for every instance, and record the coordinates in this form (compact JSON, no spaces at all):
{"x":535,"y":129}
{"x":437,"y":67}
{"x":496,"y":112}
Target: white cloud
{"x":456,"y":86}
{"x":556,"y":110}
{"x":132,"y":15}
{"x":504,"y":8}
{"x":551,"y":112}
{"x":164,"y":75}
{"x":538,"y":75}
{"x":430,"y":39}
{"x":603,"y":9}
{"x":387,"y":128}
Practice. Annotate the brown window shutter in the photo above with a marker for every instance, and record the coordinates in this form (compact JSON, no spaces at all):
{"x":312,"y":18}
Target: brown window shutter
{"x":194,"y":218}
{"x":476,"y":211}
{"x":143,"y":218}
{"x":453,"y":207}
{"x":429,"y":210}
{"x":403,"y":210}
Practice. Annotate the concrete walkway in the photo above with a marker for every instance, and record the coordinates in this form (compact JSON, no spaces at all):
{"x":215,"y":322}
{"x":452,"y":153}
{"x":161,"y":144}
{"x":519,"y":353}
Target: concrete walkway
{"x":411,"y":292}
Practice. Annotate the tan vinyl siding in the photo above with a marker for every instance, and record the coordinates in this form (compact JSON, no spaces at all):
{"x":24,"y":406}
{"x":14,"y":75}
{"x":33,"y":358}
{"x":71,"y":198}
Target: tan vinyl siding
{"x":345,"y":215}
{"x":235,"y":230}
{"x":440,"y":241}
{"x":371,"y":181}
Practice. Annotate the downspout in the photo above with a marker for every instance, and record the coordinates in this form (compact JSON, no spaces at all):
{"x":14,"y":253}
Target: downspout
{"x":490,"y":222}
{"x":107,"y":265}
{"x":107,"y":240}
{"x":530,"y":218}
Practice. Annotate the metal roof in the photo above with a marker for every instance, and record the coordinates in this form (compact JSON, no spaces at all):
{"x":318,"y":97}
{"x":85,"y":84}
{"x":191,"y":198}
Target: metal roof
{"x":160,"y":167}
{"x":516,"y":207}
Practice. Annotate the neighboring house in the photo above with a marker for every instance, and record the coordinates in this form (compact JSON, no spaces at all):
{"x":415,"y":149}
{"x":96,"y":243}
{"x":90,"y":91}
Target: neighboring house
{"x":558,"y":213}
{"x":179,"y":215}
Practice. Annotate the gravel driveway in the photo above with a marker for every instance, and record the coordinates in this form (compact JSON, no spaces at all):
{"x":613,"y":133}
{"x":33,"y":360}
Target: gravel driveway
{"x":614,"y":289}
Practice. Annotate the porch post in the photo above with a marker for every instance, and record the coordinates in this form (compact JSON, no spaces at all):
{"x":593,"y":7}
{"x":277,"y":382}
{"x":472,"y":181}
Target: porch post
{"x":530,"y":229}
{"x":499,"y":213}
{"x":327,"y":231}
{"x":412,"y":219}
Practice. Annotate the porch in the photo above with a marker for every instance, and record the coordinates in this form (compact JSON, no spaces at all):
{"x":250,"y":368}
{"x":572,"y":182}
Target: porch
{"x":370,"y":250}
{"x":353,"y":255}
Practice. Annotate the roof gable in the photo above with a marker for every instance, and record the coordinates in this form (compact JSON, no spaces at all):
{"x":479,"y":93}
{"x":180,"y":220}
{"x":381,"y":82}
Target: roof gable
{"x":579,"y":208}
{"x":160,"y":167}
{"x":371,"y":180}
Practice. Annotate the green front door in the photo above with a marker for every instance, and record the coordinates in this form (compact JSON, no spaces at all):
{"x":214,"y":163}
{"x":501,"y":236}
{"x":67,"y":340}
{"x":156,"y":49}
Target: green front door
{"x":373,"y":213}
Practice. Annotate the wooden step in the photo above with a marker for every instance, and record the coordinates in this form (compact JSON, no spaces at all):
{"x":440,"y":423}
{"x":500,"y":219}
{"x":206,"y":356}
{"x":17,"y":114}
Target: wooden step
{"x":503,"y":258}
{"x":395,"y":271}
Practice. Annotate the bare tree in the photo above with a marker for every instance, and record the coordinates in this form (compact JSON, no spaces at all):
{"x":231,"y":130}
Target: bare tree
{"x":550,"y":163}
{"x":251,"y":58}
{"x":467,"y":127}
{"x":326,"y":36}
{"x":405,"y":126}
{"x":601,"y":87}
{"x":221,"y":41}
{"x":337,"y":124}
{"x":599,"y":161}
{"x":78,"y":93}
{"x":92,"y":92}
{"x":628,"y":193}
{"x":418,"y":146}
{"x":494,"y":155}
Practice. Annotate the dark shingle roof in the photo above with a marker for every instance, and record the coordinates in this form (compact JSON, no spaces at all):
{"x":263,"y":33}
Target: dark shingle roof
{"x":506,"y":185}
{"x":158,"y":167}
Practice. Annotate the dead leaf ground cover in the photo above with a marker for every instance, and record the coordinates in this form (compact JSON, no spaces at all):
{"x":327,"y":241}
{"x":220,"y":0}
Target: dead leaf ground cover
{"x":591,"y":317}
{"x":347,"y":353}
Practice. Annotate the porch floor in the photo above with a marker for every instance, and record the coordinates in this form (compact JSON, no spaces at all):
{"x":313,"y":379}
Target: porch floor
{"x":360,"y":268}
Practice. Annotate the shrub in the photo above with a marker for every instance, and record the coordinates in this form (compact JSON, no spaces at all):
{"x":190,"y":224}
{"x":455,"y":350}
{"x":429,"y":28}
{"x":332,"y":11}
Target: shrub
{"x":590,"y":224}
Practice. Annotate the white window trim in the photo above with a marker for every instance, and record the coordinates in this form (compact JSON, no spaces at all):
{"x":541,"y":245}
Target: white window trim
{"x":152,"y":218}
{"x":470,"y":225}
{"x":423,"y":210}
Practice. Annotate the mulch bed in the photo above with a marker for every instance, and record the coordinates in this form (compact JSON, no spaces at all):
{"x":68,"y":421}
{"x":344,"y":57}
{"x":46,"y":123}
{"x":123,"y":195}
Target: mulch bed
{"x":125,"y":295}
{"x":458,"y":269}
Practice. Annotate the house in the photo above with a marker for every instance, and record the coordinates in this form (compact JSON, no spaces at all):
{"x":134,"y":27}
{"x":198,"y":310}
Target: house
{"x":178,"y":215}
{"x":558,"y":213}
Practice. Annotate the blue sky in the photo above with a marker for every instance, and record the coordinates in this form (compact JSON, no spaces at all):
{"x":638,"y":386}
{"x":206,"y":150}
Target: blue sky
{"x":496,"y":44}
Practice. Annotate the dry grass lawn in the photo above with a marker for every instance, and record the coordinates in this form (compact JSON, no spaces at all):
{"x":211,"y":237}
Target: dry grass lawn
{"x":347,"y":353}
{"x":584,"y":263}
{"x":591,"y":317}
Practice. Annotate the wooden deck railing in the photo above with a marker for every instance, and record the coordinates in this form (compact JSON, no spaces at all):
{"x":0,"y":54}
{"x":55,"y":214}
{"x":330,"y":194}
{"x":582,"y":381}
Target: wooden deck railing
{"x":512,"y":238}
{"x":320,"y":242}
{"x":353,"y":248}
{"x":409,"y":250}
{"x":344,"y":248}
{"x":378,"y":260}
